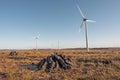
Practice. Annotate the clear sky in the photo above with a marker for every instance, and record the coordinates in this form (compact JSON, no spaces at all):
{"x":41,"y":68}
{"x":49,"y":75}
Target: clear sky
{"x":21,"y":20}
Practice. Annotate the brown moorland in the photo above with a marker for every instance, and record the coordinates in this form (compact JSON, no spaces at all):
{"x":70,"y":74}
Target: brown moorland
{"x":100,"y":64}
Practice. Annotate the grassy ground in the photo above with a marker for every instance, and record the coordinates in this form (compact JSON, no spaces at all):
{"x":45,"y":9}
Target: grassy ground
{"x":95,"y":65}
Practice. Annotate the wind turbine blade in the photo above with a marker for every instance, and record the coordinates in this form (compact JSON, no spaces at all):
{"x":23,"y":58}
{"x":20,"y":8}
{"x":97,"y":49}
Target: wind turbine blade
{"x":81,"y":26}
{"x":90,"y":21}
{"x":39,"y":35}
{"x":80,"y":11}
{"x":34,"y":37}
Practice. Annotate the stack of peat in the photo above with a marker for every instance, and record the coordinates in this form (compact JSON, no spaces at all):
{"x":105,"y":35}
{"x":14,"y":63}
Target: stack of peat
{"x":13,"y":53}
{"x":55,"y":61}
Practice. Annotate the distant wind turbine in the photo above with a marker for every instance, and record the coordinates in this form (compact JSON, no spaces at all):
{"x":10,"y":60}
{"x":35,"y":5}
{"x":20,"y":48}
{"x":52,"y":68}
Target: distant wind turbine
{"x":85,"y":20}
{"x":36,"y":40}
{"x":58,"y":46}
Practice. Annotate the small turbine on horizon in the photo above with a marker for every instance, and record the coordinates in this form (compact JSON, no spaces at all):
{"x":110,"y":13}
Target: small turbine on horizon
{"x":84,"y":22}
{"x":36,"y":41}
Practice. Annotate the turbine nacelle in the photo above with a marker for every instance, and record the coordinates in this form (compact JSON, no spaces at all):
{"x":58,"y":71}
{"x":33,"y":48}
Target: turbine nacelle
{"x":84,"y":19}
{"x":36,"y":38}
{"x":87,"y":20}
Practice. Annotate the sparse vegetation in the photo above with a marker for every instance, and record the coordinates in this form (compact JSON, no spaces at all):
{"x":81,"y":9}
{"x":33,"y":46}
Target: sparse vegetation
{"x":93,"y":65}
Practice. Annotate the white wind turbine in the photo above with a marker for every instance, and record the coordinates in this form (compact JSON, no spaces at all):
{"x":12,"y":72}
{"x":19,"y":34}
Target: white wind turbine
{"x":85,"y":20}
{"x":36,"y":40}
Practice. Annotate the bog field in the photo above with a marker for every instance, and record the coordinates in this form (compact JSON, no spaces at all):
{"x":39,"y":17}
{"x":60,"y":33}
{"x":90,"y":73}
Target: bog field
{"x":98,"y":64}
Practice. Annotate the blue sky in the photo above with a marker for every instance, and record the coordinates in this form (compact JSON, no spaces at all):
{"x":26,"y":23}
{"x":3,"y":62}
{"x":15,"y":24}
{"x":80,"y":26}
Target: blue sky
{"x":21,"y":20}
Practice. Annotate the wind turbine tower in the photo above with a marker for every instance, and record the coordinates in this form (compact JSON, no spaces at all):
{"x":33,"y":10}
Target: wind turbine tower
{"x":84,"y":22}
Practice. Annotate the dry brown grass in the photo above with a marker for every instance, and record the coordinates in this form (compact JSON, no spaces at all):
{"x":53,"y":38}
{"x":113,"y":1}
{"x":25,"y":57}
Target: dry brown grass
{"x":86,"y":66}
